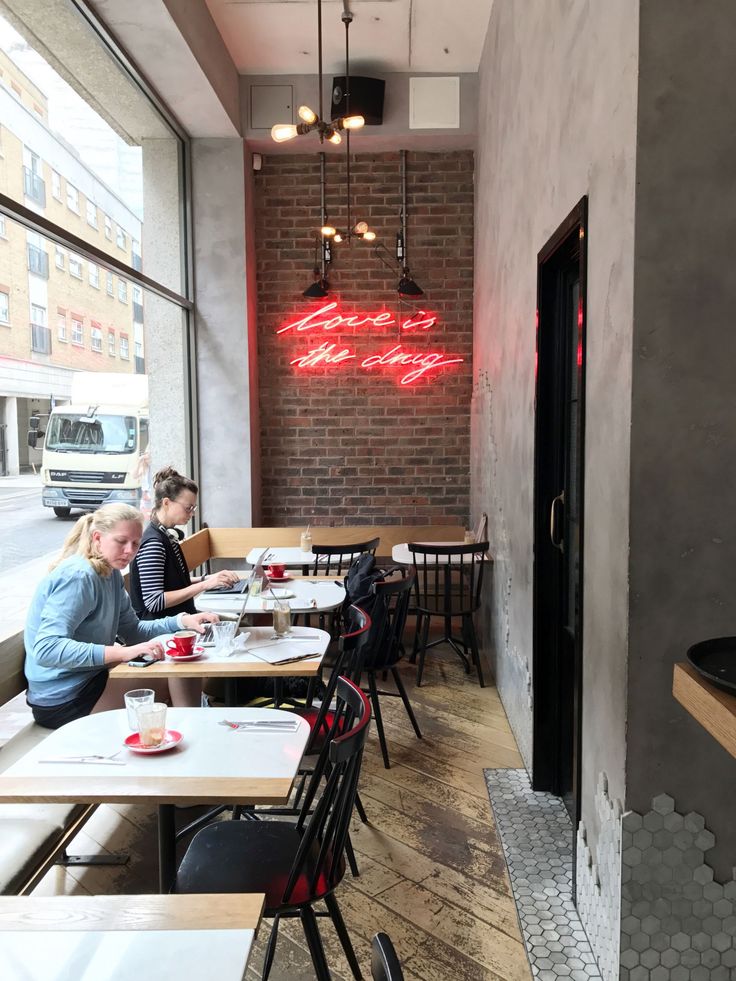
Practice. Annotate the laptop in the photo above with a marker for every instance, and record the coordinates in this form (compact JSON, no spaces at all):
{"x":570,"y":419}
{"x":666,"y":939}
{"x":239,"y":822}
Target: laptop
{"x":207,"y":639}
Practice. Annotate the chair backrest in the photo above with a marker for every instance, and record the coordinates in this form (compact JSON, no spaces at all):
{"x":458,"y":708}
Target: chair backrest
{"x":334,"y":560}
{"x":384,"y":962}
{"x":449,"y":577}
{"x":326,"y":828}
{"x":388,"y":615}
{"x":349,"y":662}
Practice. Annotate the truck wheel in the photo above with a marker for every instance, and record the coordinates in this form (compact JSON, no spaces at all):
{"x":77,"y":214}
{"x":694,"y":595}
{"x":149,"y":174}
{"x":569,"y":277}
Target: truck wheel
{"x":62,"y":512}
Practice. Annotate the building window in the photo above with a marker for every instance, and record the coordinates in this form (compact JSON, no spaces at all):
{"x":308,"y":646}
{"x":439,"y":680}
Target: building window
{"x":124,"y":347}
{"x":56,"y":185}
{"x":38,"y":261}
{"x":38,"y":315}
{"x":96,"y":338}
{"x":59,"y":258}
{"x":40,"y":334}
{"x":34,"y":186}
{"x":4,"y":307}
{"x":61,"y":325}
{"x":122,"y":291}
{"x":77,"y":331}
{"x":75,"y":266}
{"x":121,"y":238}
{"x":108,"y":228}
{"x":3,"y":231}
{"x":109,"y":286}
{"x":111,"y":343}
{"x":92,"y":214}
{"x":72,"y":197}
{"x":136,"y":260}
{"x":94,"y":275}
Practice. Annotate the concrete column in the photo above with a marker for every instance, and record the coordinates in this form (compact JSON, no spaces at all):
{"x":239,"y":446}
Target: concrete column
{"x":164,"y":336}
{"x":12,"y":436}
{"x":226,"y":355}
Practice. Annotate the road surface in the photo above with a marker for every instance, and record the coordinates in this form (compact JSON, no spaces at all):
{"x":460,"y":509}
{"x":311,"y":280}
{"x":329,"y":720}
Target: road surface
{"x":27,"y":529}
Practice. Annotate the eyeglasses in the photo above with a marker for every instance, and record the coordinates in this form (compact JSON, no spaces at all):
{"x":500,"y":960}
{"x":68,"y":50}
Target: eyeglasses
{"x":190,"y":509}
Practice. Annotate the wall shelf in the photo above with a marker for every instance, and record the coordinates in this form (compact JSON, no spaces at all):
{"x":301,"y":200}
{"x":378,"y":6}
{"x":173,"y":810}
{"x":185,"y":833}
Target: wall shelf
{"x":714,"y":709}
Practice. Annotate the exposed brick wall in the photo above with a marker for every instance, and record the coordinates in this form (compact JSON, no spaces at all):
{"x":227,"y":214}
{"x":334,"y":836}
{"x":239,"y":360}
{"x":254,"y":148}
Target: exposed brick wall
{"x":341,"y":444}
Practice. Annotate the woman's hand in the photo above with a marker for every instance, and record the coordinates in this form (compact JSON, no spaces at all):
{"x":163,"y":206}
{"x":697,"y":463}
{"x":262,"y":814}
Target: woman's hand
{"x":195,"y":621}
{"x":217,"y":579}
{"x":118,"y":654}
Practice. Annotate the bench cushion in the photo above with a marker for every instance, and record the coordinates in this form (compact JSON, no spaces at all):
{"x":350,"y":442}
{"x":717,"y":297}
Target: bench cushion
{"x":28,"y":832}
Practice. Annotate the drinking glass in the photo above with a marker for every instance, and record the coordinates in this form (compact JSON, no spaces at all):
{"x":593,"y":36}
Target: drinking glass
{"x":152,"y":723}
{"x":223,"y":635}
{"x":469,"y":537}
{"x":139,"y":696}
{"x":281,"y":618}
{"x":256,"y":586}
{"x":305,"y":542}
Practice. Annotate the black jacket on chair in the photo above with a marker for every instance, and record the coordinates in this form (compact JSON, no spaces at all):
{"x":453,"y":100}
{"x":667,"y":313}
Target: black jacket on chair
{"x":176,"y":575}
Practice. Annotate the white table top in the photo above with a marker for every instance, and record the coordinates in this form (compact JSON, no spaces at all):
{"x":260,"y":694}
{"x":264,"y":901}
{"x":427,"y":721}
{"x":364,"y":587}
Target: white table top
{"x":310,"y":596}
{"x":212,"y":763}
{"x":287,"y":555}
{"x":253,"y":662}
{"x":400,"y":553}
{"x":85,"y":938}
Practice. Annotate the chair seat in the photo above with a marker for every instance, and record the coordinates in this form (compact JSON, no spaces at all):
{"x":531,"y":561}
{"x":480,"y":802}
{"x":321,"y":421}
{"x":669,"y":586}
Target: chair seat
{"x":251,"y":856}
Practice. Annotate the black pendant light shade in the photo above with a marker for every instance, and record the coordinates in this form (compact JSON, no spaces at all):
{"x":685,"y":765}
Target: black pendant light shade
{"x":407,"y":286}
{"x":318,"y":290}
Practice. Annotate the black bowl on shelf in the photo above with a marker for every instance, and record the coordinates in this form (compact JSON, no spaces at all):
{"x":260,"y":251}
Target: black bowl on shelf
{"x":715,"y":660}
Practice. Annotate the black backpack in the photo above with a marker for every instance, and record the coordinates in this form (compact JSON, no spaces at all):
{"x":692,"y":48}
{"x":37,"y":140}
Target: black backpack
{"x":362,"y":576}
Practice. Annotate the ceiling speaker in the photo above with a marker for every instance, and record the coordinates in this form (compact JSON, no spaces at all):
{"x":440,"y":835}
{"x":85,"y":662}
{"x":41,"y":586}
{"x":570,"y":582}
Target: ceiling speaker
{"x":366,"y":98}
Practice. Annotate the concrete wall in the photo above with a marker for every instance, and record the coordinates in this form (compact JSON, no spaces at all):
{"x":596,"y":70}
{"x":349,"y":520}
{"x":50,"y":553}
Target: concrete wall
{"x":223,"y":357}
{"x":683,"y":448}
{"x":557,"y":120}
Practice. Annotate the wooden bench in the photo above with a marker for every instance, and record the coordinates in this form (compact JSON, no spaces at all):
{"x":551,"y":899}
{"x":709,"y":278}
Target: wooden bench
{"x":31,"y":836}
{"x":235,"y":543}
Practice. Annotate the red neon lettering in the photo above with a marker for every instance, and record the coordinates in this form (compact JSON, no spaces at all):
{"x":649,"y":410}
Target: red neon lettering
{"x":425,"y":362}
{"x":326,"y":318}
{"x":322,"y":355}
{"x":419,"y":319}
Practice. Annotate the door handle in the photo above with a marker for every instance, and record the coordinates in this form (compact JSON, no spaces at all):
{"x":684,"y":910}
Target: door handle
{"x":553,"y":511}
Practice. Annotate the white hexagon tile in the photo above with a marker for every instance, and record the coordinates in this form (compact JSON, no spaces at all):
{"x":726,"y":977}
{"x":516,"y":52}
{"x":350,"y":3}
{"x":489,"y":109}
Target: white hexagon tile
{"x":648,"y":908}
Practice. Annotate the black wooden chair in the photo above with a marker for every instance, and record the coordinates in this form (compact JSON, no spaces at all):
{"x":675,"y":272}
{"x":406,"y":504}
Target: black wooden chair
{"x":384,"y":962}
{"x":448,"y":585}
{"x":383,"y":648}
{"x":334,"y":560}
{"x":295,"y":864}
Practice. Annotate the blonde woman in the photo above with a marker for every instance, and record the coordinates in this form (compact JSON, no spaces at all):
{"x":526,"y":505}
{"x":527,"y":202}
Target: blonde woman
{"x":79,"y":610}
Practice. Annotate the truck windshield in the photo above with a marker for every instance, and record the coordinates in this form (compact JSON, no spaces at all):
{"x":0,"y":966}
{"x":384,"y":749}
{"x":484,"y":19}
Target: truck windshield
{"x":91,"y":434}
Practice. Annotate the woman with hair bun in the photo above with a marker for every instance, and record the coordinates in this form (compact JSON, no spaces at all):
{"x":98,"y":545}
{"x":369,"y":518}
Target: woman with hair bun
{"x":79,"y":610}
{"x":159,"y":577}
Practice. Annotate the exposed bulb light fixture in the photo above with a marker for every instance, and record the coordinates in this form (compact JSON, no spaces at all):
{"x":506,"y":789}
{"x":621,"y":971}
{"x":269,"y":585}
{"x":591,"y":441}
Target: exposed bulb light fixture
{"x":312,"y":121}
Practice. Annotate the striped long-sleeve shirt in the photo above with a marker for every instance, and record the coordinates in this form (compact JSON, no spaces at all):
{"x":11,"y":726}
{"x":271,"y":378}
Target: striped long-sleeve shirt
{"x":151,"y":564}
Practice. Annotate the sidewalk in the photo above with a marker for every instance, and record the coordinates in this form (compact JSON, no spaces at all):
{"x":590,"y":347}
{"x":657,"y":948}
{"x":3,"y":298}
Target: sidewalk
{"x":19,"y":486}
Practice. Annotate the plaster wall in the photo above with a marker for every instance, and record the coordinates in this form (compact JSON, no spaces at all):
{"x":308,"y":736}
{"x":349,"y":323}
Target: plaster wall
{"x":223,"y":358}
{"x":683,"y":447}
{"x":557,"y":120}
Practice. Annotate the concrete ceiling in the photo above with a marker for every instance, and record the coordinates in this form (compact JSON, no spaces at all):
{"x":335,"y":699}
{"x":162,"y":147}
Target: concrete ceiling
{"x":279,"y":37}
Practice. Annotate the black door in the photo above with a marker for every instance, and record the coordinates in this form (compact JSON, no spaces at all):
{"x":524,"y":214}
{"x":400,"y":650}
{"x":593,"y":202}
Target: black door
{"x":558,"y":512}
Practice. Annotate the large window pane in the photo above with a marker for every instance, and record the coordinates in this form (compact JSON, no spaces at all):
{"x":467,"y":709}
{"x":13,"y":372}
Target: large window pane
{"x":96,"y":374}
{"x":82,"y":145}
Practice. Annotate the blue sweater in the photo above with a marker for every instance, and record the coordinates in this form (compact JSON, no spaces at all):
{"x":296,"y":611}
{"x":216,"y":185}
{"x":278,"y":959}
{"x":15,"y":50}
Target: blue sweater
{"x":75,"y":613}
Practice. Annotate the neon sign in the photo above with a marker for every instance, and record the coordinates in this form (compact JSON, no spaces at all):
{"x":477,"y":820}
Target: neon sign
{"x":328,"y":318}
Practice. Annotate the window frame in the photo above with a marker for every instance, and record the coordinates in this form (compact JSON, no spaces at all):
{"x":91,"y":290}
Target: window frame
{"x":77,"y":321}
{"x":72,"y":195}
{"x":5,"y":321}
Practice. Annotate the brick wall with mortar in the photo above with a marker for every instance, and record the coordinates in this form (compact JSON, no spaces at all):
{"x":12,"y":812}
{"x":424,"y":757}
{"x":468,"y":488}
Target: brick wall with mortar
{"x":342,"y":443}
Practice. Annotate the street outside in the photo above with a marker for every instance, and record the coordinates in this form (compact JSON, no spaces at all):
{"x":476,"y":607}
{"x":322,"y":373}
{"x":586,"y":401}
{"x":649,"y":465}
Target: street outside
{"x":27,"y":529}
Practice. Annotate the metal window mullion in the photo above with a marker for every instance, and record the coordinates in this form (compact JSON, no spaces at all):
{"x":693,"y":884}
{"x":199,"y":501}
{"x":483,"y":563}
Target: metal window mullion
{"x":57,"y":234}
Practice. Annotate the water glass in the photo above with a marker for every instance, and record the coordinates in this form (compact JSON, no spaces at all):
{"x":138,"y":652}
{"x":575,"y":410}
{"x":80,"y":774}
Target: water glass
{"x":469,"y":537}
{"x":139,"y":696}
{"x":256,"y":586}
{"x":152,"y":723}
{"x":281,"y":618}
{"x":305,"y":542}
{"x":223,"y":635}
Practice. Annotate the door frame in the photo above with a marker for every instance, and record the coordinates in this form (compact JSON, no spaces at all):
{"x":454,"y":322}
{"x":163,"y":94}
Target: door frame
{"x":546,"y":744}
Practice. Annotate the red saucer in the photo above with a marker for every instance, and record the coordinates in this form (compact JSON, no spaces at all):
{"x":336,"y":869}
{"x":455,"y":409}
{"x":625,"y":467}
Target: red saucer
{"x":279,"y":578}
{"x":171,"y":738}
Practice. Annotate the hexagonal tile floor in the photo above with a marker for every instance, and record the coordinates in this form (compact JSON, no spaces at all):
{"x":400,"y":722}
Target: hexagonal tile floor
{"x":536,"y":835}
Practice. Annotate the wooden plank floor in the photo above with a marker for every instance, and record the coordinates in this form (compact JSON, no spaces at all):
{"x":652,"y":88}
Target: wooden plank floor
{"x":432,"y":868}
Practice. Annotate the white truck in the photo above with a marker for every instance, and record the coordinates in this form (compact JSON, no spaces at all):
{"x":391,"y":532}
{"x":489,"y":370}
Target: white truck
{"x":94,"y":450}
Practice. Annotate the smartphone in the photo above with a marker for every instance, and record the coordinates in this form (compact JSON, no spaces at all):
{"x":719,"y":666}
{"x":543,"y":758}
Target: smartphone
{"x":142,"y":662}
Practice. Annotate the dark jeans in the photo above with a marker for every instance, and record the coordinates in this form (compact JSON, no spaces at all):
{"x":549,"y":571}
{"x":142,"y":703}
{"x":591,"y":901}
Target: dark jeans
{"x":80,"y":704}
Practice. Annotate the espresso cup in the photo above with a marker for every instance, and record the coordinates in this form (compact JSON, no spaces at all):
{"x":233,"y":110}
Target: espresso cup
{"x":182,"y":643}
{"x":277,"y":570}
